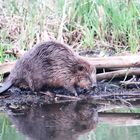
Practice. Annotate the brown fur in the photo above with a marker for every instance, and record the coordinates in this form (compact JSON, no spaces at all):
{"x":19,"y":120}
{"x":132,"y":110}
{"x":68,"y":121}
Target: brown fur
{"x":55,"y":65}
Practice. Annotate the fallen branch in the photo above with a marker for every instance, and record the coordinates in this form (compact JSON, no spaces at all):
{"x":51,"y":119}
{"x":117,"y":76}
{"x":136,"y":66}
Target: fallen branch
{"x":115,"y":61}
{"x":126,"y":83}
{"x":119,"y":73}
{"x":6,"y":67}
{"x":133,"y":94}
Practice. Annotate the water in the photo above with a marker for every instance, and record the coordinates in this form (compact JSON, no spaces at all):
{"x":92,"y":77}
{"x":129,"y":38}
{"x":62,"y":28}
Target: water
{"x":66,"y":121}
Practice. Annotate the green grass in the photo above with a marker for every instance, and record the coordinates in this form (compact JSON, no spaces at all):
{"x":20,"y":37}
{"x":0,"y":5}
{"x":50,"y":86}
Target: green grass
{"x":84,"y":23}
{"x":7,"y":131}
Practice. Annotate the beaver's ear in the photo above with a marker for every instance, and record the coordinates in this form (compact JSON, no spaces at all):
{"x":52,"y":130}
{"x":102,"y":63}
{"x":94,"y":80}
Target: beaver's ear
{"x":80,"y":67}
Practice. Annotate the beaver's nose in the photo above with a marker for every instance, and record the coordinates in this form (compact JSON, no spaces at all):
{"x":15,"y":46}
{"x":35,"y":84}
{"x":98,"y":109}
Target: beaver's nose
{"x":94,"y":85}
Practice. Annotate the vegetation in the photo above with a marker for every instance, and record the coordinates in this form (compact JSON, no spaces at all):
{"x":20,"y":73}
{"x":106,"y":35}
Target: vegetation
{"x":7,"y":131}
{"x":92,"y":24}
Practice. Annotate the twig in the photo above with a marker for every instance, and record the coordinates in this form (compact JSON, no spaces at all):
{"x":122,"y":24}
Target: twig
{"x":133,"y":99}
{"x":117,"y":94}
{"x":64,"y":101}
{"x":124,"y":102}
{"x":126,"y":83}
{"x":61,"y":96}
{"x":66,"y":96}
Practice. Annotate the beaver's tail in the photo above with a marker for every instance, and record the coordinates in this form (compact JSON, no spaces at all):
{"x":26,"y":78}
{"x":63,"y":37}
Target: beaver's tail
{"x":5,"y":86}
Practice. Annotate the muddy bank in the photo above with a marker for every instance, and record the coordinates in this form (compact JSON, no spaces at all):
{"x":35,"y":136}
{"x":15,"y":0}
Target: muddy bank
{"x":105,"y":92}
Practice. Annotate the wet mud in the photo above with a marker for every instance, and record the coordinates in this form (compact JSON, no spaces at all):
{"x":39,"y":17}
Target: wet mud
{"x":106,"y":90}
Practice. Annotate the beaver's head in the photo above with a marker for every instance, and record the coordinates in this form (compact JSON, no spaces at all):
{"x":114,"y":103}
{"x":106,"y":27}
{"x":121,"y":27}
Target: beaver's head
{"x":85,"y":76}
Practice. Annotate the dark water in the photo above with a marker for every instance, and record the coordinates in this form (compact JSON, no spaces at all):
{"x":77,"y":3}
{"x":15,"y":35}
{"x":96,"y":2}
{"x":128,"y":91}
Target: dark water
{"x":66,"y":121}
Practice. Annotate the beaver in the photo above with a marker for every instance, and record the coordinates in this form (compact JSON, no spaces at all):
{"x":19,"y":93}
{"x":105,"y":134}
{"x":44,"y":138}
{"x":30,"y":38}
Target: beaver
{"x":51,"y":64}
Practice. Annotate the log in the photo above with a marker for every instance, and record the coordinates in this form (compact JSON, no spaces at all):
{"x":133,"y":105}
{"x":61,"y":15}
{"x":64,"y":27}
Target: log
{"x":6,"y":67}
{"x":102,"y":62}
{"x":115,"y":61}
{"x":119,"y":73}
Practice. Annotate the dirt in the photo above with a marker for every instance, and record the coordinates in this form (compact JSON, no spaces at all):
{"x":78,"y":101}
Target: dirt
{"x":16,"y":96}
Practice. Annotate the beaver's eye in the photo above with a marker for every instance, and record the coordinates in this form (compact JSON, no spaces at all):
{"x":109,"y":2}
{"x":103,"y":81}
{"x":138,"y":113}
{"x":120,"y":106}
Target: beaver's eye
{"x":80,"y":68}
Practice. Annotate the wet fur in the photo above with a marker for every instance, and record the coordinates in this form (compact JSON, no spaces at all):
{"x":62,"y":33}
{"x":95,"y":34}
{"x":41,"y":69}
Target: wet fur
{"x":51,"y":64}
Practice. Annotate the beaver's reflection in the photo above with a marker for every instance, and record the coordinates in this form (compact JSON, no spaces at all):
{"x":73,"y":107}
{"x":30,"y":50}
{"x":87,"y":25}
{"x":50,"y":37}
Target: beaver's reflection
{"x":62,"y":121}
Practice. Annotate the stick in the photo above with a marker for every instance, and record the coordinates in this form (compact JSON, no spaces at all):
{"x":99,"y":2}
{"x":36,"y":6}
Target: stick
{"x":117,"y":94}
{"x":61,"y":95}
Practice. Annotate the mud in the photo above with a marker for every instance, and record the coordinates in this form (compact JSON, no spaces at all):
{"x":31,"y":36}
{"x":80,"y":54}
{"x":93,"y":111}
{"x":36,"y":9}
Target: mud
{"x":24,"y":96}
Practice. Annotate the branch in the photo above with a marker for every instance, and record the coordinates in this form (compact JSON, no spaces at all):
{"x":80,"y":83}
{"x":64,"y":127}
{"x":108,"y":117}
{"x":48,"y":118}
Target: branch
{"x":119,"y":73}
{"x":6,"y":67}
{"x":115,"y":61}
